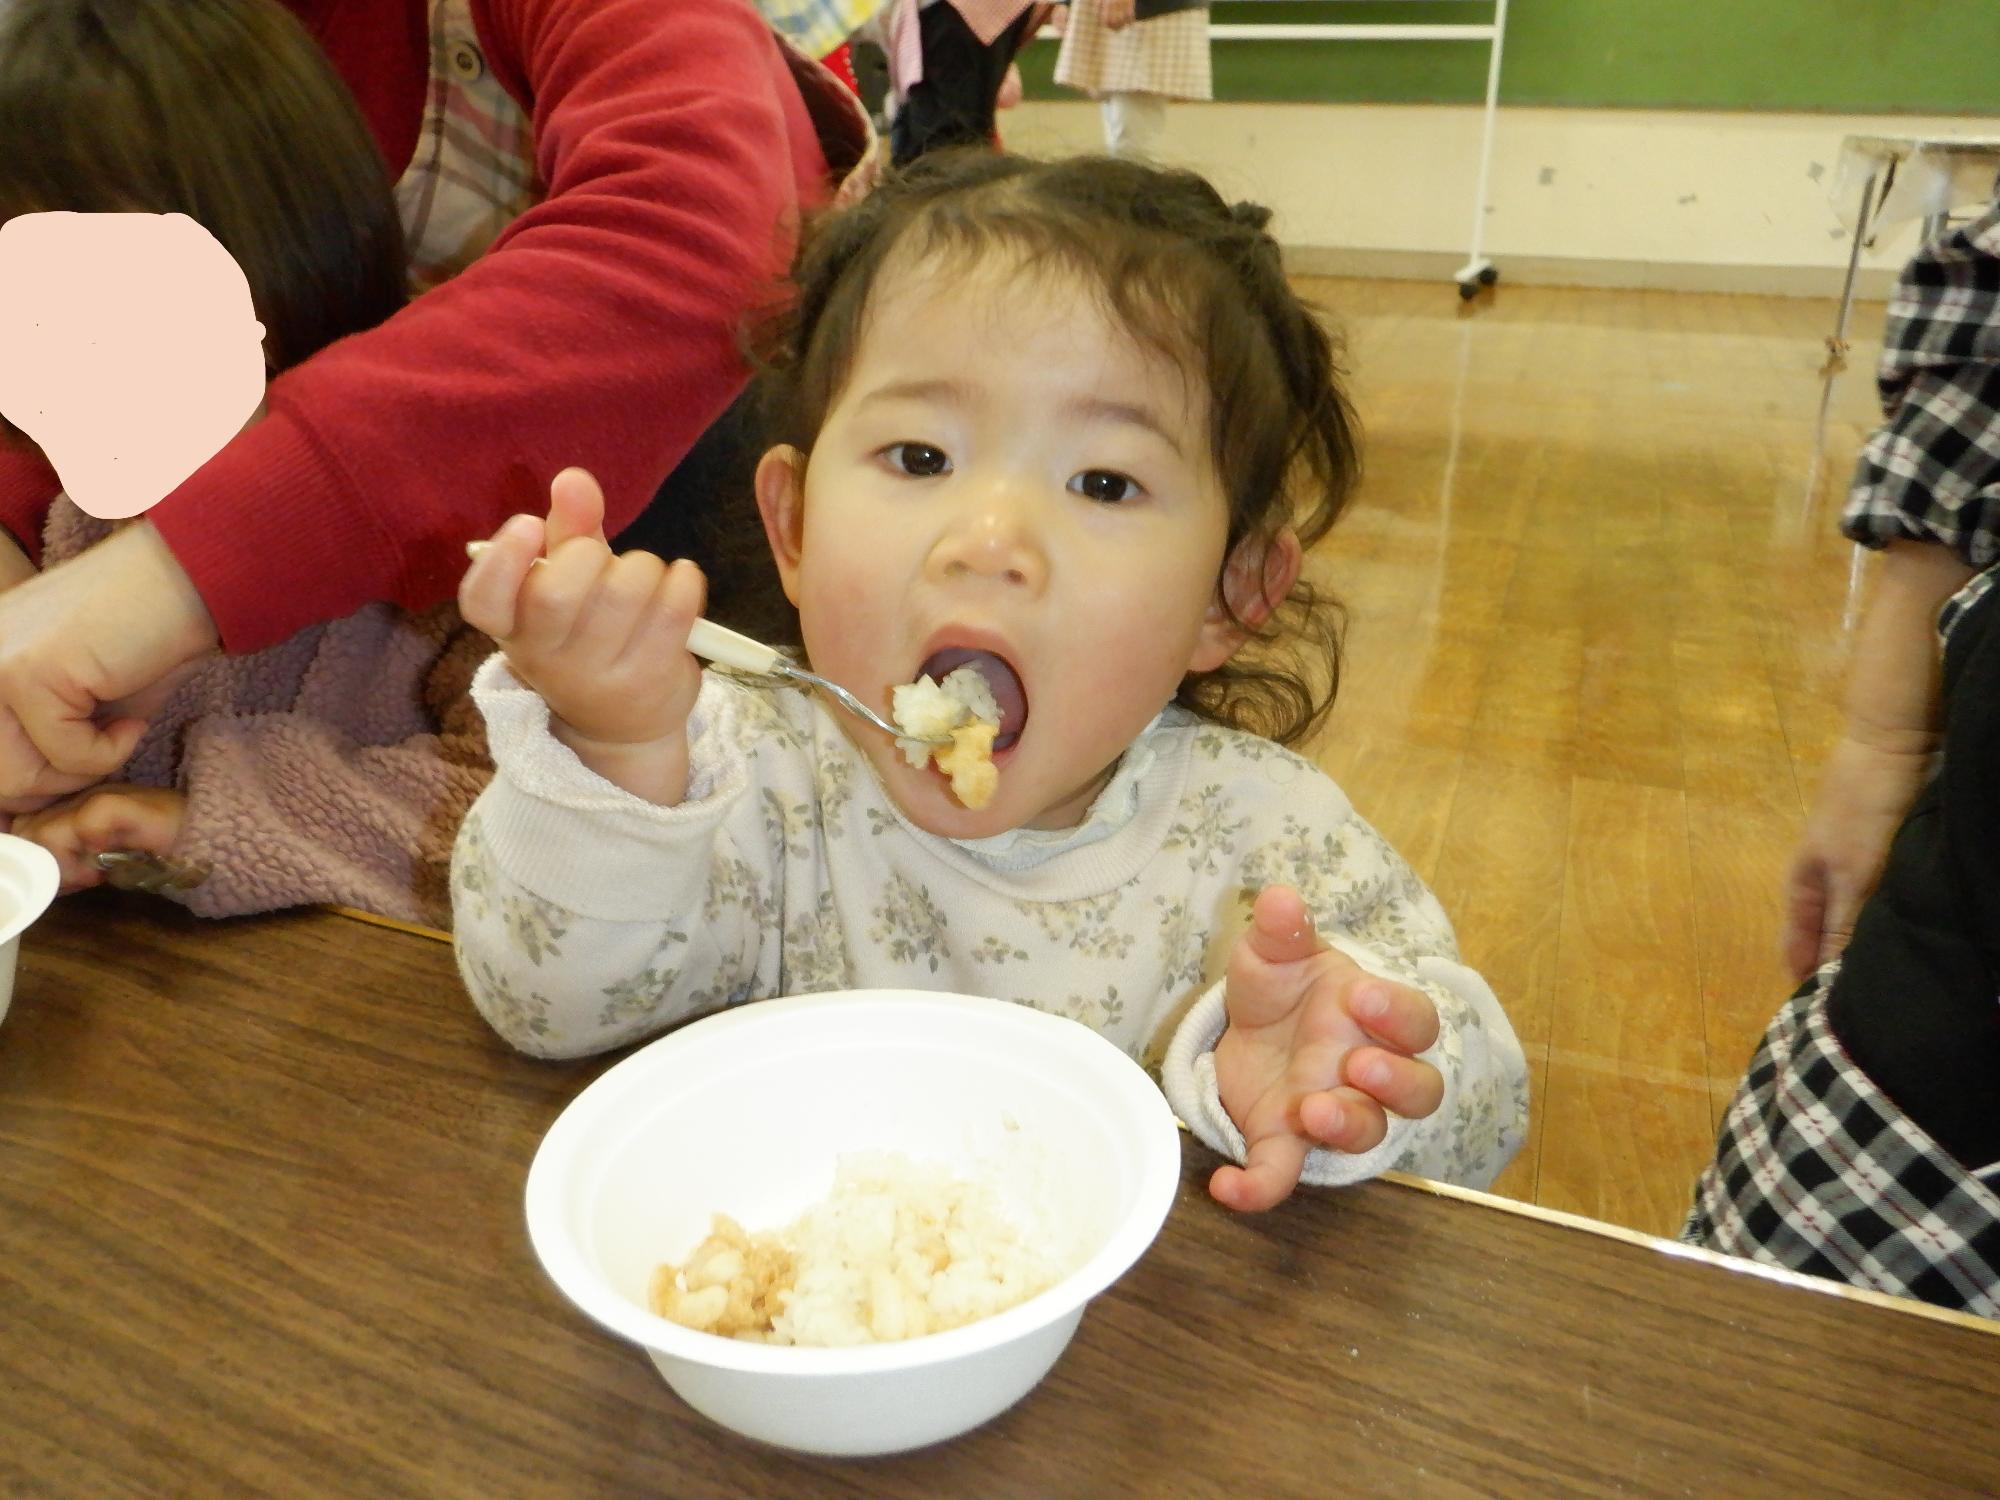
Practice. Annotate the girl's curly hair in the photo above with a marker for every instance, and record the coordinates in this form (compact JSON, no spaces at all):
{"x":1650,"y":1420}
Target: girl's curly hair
{"x":1190,"y":276}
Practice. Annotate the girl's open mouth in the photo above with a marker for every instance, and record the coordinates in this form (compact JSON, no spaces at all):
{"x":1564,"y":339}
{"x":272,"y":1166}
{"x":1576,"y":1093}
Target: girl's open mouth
{"x":1001,"y":680}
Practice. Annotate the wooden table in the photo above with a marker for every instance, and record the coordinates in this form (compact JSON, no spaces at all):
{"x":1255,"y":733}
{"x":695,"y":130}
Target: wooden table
{"x":261,"y":1234}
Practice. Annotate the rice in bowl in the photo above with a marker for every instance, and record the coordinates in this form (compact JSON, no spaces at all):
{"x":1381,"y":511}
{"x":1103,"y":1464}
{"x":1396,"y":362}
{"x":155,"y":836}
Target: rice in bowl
{"x":897,"y":1250}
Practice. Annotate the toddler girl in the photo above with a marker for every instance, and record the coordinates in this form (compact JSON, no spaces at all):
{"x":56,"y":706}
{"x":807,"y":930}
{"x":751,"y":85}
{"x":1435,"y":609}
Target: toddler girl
{"x":1068,"y":425}
{"x":333,"y":767}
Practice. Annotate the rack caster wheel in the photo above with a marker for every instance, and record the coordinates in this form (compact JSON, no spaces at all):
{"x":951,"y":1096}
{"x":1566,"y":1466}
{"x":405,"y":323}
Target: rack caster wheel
{"x":1472,"y":277}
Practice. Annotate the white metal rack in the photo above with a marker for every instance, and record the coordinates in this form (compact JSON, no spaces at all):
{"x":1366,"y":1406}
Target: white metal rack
{"x":1477,"y":271}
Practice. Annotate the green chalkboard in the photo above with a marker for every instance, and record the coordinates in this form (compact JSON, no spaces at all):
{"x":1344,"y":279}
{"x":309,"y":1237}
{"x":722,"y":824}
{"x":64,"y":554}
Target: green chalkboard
{"x":1843,"y":56}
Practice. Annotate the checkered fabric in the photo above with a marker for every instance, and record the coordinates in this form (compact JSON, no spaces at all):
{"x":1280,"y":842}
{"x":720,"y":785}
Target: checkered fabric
{"x":1932,"y":471}
{"x":1817,"y":1171}
{"x":1955,"y":607}
{"x":1167,"y":55}
{"x":473,"y":172}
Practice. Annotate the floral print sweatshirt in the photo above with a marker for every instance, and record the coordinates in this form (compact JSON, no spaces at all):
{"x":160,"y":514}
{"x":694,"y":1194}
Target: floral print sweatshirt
{"x":587,"y":919}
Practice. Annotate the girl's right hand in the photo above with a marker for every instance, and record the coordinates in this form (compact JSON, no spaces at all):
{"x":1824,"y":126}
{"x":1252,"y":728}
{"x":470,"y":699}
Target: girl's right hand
{"x":602,"y":637}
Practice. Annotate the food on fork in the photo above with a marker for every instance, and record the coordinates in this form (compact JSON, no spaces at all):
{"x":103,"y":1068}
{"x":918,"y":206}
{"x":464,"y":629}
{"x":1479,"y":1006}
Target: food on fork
{"x":968,"y":761}
{"x":963,"y":707}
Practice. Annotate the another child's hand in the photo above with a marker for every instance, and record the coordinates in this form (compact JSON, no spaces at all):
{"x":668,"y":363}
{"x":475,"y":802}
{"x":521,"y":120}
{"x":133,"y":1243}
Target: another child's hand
{"x":77,"y":829}
{"x":602,"y":638}
{"x":1316,"y":1050}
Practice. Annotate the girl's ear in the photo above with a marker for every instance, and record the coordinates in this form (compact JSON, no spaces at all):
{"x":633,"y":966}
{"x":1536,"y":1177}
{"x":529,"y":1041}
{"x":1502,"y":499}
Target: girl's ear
{"x":1255,"y":580}
{"x":781,"y":475}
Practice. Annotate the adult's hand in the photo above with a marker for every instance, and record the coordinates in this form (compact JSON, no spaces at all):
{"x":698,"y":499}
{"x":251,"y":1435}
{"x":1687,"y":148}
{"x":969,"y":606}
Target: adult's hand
{"x":1893,"y":713}
{"x":1863,"y":794}
{"x":103,"y":627}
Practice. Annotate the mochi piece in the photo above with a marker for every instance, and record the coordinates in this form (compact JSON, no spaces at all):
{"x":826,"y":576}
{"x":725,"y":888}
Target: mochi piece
{"x":962,"y":707}
{"x":968,"y":761}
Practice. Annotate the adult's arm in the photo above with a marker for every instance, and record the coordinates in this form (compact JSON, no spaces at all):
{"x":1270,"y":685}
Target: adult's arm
{"x":28,"y":486}
{"x":600,"y":329}
{"x":1882,"y":757}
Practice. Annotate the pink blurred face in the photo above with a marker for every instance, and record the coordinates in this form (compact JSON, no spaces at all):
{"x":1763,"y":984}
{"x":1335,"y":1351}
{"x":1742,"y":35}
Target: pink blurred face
{"x":129,"y":350}
{"x":1006,"y":472}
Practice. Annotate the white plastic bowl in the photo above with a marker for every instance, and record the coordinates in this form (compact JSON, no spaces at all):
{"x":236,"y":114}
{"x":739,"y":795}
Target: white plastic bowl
{"x":746,"y":1112}
{"x":28,"y":881}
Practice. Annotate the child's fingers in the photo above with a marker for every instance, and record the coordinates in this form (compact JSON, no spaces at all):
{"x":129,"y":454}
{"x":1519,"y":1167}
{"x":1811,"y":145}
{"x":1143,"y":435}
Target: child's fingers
{"x":1281,"y":929}
{"x":555,"y":600}
{"x":1410,"y":1088}
{"x":576,"y":507}
{"x":489,"y":594}
{"x":1396,"y":1015}
{"x":1269,"y":1172}
{"x":617,"y":602}
{"x":75,"y":749}
{"x":56,"y":831}
{"x":1343,"y":1119}
{"x":113,"y":820}
{"x":53,"y":831}
{"x":678,"y":600}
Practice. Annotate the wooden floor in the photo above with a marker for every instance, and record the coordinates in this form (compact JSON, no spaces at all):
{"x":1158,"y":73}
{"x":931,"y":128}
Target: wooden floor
{"x":1598,"y":637}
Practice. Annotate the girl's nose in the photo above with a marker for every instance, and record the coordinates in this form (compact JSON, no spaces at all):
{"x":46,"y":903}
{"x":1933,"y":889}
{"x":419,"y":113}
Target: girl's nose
{"x":994,"y":539}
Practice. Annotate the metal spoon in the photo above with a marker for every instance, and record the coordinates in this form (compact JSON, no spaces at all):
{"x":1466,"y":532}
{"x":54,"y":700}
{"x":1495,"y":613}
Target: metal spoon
{"x":156,"y":874}
{"x":718,"y":643}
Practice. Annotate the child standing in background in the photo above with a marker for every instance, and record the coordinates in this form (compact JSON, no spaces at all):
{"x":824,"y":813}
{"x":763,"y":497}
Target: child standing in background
{"x":1132,"y":56}
{"x":948,"y":61}
{"x":333,"y":767}
{"x":1068,"y":425}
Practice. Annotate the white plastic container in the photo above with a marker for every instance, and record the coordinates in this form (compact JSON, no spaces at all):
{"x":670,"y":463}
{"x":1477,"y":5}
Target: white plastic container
{"x":28,"y":881}
{"x":746,"y":1112}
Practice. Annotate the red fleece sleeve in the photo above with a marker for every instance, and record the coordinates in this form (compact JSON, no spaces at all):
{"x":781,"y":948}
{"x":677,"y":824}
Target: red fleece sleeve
{"x":600,"y":329}
{"x":27,"y":487}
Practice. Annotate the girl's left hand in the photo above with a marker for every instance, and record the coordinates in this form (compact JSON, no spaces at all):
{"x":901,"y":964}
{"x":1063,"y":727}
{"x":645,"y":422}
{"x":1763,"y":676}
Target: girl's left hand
{"x":77,"y":829}
{"x":1316,"y":1051}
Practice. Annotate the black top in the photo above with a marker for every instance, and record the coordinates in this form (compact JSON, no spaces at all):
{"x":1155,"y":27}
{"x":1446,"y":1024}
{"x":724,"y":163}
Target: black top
{"x":1917,"y":999}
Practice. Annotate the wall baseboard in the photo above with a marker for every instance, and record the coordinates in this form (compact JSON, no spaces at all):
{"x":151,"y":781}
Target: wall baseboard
{"x":1870,"y":285}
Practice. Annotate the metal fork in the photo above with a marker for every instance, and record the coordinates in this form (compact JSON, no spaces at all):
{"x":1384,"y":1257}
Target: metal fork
{"x":719,"y":644}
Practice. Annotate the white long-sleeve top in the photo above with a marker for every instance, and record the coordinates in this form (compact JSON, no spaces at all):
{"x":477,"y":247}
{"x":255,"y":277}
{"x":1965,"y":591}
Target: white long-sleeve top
{"x":587,"y":918}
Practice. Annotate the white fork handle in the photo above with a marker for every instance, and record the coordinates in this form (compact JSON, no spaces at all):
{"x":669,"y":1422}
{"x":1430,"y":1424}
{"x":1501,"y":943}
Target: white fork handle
{"x":718,"y":643}
{"x":708,"y":640}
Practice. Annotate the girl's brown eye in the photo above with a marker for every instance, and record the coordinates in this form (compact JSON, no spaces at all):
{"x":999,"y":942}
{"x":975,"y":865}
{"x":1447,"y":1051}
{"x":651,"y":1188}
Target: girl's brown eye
{"x":1105,"y":486}
{"x":920,"y":460}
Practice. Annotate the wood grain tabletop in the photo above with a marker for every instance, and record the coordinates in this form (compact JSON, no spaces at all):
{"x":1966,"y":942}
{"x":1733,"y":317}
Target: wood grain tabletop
{"x":261,"y":1233}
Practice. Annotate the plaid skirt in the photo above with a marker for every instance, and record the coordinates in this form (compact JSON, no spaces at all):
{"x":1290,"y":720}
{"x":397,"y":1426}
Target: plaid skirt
{"x":1817,"y":1171}
{"x":1167,"y":55}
